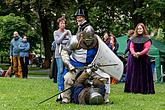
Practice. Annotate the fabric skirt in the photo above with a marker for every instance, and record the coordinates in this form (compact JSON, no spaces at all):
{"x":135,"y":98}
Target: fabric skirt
{"x":139,"y":75}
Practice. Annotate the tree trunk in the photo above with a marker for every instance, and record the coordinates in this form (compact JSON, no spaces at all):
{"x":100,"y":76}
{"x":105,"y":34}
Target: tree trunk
{"x":137,"y":18}
{"x":46,"y":41}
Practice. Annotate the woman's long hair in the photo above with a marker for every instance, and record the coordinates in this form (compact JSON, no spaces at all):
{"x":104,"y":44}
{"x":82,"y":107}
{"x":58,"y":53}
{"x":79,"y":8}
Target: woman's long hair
{"x":145,"y":33}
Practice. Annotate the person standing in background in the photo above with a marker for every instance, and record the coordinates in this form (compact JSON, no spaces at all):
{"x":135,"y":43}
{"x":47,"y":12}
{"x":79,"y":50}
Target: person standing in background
{"x":113,"y":44}
{"x":15,"y":54}
{"x":24,"y":56}
{"x":130,"y":34}
{"x":106,"y":38}
{"x":61,"y":38}
{"x":53,"y":73}
{"x":139,"y":73}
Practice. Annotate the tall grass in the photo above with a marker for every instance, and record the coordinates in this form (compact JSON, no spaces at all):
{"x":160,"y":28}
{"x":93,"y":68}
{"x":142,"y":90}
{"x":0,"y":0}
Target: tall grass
{"x":25,"y":94}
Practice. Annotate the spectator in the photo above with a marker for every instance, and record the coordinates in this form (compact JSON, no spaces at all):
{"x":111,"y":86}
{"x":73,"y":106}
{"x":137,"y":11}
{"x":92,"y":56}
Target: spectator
{"x":139,"y":73}
{"x":106,"y":38}
{"x":24,"y":56}
{"x":15,"y":54}
{"x":113,"y":44}
{"x":130,"y":34}
{"x":61,"y":37}
{"x":53,"y":64}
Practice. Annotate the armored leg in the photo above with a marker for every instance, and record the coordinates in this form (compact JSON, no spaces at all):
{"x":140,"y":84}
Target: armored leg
{"x":68,"y":82}
{"x":106,"y":79}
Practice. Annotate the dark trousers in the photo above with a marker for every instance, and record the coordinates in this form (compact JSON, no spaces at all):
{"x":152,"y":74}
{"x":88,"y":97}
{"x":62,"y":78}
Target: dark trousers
{"x":24,"y":65}
{"x":54,"y":70}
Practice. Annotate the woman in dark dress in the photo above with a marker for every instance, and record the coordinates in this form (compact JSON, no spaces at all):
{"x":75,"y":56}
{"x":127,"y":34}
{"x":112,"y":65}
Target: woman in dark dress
{"x":130,"y":34}
{"x":139,"y":73}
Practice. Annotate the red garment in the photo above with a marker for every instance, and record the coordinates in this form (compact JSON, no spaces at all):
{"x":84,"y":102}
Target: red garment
{"x":145,"y":50}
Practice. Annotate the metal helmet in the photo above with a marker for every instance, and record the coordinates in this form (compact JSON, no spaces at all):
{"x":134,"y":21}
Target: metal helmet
{"x":89,"y":39}
{"x":94,"y":97}
{"x":80,"y":12}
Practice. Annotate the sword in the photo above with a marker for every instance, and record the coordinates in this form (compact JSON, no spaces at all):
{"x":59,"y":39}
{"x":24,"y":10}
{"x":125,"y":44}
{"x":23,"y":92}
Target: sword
{"x":96,"y":66}
{"x":54,"y":95}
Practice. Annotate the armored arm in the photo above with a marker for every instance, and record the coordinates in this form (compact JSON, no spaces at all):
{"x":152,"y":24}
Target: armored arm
{"x":66,"y":59}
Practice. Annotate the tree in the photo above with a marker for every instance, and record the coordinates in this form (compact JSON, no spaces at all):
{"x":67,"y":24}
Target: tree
{"x":116,"y":16}
{"x":11,"y":23}
{"x":45,"y":11}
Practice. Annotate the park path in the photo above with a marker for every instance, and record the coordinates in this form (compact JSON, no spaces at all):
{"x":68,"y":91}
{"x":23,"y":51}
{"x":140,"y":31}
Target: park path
{"x":39,"y":71}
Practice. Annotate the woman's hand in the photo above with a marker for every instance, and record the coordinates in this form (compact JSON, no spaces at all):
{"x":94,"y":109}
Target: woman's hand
{"x":137,"y":54}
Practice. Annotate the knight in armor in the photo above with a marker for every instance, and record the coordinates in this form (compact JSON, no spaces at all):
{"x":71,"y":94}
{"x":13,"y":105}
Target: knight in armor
{"x":88,"y":88}
{"x":80,"y":52}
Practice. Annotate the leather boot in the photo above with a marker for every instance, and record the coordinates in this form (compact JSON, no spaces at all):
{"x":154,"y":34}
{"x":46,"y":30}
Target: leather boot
{"x":106,"y":98}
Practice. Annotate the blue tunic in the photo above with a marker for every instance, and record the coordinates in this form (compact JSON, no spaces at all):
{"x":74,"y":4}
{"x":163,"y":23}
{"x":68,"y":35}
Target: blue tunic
{"x":90,"y":56}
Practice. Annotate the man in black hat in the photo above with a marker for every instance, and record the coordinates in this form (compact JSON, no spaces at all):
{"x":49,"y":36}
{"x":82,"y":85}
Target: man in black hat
{"x":81,"y":21}
{"x":83,"y":49}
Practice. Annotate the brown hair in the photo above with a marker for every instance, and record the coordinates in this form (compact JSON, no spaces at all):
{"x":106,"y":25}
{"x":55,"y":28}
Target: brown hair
{"x":113,"y":37}
{"x":60,"y":19}
{"x":130,"y":33}
{"x":145,"y":33}
{"x":24,"y":36}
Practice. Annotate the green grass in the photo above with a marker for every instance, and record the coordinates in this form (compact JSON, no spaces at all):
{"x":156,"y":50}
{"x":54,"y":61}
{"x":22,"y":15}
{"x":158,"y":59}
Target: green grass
{"x":25,"y":94}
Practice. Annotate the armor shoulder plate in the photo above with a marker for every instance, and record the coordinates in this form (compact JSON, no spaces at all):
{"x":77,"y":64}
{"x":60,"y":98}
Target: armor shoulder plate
{"x":73,"y":42}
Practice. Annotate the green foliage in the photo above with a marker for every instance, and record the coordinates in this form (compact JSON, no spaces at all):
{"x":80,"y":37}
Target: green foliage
{"x":11,"y":23}
{"x":109,"y":18}
{"x":116,"y":16}
{"x":160,"y":35}
{"x":153,"y":12}
{"x":25,"y":94}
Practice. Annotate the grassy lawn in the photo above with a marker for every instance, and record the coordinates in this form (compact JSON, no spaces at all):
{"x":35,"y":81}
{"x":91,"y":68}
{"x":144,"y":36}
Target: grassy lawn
{"x":25,"y":94}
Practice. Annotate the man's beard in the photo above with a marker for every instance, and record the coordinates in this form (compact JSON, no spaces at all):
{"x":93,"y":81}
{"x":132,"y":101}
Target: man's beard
{"x":79,"y":23}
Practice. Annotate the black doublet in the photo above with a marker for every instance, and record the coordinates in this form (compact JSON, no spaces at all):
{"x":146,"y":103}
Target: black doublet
{"x":83,"y":26}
